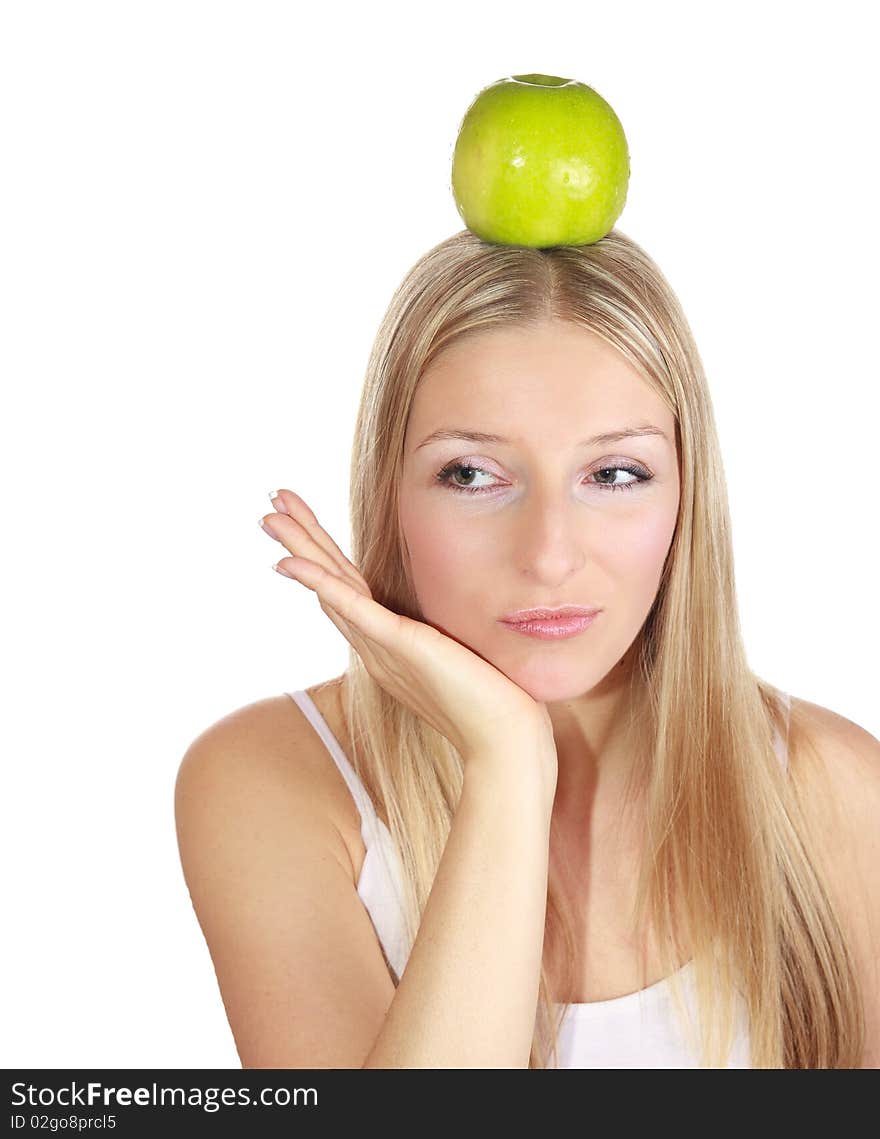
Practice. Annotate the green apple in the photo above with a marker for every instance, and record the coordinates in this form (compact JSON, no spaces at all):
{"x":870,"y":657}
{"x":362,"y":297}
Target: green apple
{"x":540,"y":161}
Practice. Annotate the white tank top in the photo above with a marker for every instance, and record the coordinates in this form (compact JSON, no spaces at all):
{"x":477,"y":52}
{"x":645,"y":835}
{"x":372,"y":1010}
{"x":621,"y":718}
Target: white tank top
{"x":639,"y":1030}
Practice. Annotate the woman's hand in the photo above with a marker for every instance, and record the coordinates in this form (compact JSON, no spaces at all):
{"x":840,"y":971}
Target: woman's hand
{"x":466,"y":699}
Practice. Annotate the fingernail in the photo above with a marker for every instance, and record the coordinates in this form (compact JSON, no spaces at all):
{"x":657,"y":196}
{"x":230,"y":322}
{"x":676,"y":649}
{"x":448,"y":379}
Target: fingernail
{"x":268,"y":529}
{"x":280,"y":569}
{"x":277,"y":503}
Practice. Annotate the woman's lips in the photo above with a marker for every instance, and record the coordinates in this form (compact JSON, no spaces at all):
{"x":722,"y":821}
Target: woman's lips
{"x":552,"y":629}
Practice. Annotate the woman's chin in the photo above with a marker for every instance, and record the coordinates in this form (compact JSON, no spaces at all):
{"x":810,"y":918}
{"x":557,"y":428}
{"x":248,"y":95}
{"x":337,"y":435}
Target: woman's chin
{"x":548,"y":683}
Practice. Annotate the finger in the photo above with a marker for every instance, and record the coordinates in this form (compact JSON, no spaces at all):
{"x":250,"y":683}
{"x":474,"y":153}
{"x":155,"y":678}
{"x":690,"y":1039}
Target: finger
{"x":302,"y":513}
{"x":378,"y":635}
{"x":295,"y":538}
{"x":300,"y":526}
{"x":367,"y":617}
{"x":361,"y":646}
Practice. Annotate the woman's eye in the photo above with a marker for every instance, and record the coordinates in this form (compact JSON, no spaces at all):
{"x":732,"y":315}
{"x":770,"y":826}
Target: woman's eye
{"x":445,"y":477}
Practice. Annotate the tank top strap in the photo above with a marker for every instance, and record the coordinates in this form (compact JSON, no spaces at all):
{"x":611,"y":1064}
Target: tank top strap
{"x":369,"y":818}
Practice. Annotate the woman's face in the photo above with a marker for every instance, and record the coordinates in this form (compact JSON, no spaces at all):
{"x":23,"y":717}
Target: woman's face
{"x":548,"y":529}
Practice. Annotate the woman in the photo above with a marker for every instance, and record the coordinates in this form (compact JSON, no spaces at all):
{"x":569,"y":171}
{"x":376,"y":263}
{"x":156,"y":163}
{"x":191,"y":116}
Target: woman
{"x":610,"y":848}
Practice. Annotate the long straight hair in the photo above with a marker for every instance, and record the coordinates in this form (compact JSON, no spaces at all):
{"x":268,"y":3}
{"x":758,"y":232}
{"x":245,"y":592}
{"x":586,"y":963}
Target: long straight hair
{"x":728,"y":872}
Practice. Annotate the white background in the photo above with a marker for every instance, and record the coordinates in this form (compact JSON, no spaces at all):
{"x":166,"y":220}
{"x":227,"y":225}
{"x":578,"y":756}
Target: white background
{"x":205,"y":210}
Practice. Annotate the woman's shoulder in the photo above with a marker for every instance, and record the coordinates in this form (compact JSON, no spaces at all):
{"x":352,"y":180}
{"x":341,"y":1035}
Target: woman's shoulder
{"x":276,"y":727}
{"x":835,"y":765}
{"x":268,"y":753}
{"x":844,"y":747}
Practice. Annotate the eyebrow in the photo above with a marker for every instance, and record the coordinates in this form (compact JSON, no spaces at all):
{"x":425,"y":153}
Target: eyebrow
{"x":594,"y":440}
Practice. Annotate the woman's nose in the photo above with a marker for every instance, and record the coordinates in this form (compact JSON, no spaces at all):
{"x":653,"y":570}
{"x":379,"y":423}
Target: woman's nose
{"x":551,"y":537}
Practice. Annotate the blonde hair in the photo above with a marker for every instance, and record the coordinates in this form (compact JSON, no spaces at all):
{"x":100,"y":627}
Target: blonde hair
{"x":724,"y":833}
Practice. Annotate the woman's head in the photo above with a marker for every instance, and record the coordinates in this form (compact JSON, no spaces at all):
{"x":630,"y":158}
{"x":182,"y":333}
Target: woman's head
{"x":547,"y":349}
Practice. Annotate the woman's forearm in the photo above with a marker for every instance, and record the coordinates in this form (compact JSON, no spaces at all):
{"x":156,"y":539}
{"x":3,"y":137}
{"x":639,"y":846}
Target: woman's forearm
{"x":468,"y":994}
